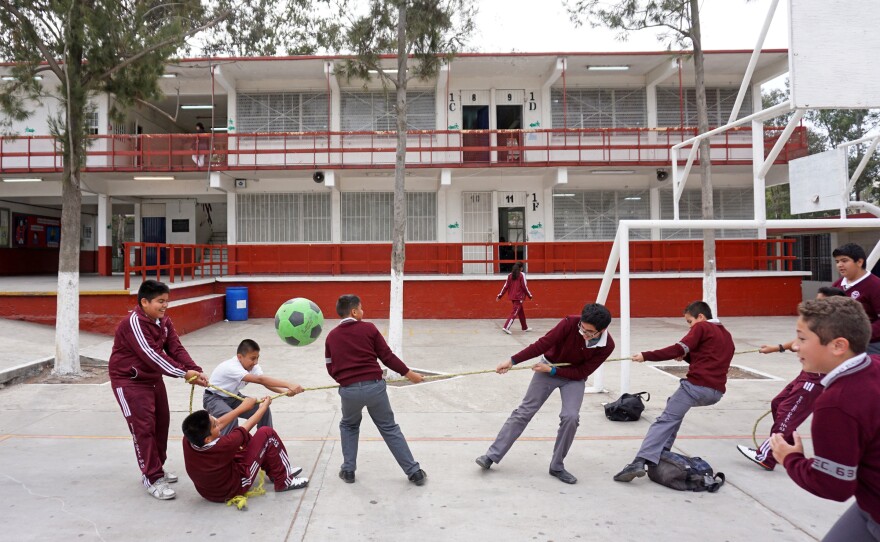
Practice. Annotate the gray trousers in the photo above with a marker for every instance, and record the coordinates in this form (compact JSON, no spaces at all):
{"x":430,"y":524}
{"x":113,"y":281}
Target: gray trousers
{"x":663,"y":431}
{"x":855,"y":525}
{"x":218,"y":405}
{"x":373,"y":395}
{"x":542,"y":385}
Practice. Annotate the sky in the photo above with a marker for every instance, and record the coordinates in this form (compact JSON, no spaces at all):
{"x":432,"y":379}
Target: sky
{"x":539,"y":26}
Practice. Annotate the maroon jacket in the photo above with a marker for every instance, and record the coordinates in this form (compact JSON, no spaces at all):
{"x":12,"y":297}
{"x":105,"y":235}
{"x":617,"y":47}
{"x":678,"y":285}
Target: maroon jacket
{"x":866,"y":292}
{"x":145,"y":349}
{"x":517,"y":290}
{"x":846,"y":438}
{"x":350,"y":353}
{"x":563,"y":344}
{"x":213,"y":468}
{"x":708,"y":348}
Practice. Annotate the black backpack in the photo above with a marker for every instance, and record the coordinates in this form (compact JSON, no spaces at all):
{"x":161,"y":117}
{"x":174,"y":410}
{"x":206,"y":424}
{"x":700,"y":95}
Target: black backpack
{"x":628,"y":408}
{"x":685,"y":473}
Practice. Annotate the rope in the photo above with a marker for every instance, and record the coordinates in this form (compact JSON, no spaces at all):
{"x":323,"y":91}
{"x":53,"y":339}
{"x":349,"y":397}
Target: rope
{"x":755,"y":428}
{"x":240,"y":501}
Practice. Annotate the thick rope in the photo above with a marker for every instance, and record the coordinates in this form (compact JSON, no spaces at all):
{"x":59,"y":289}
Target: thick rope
{"x":755,"y":428}
{"x":240,"y":501}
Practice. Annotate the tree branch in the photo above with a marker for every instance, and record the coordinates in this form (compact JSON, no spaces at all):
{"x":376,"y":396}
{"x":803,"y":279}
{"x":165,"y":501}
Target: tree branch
{"x":29,"y":28}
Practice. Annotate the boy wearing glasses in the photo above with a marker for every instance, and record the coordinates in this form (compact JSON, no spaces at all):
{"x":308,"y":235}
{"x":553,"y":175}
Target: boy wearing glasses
{"x":583,"y":342}
{"x":708,"y":349}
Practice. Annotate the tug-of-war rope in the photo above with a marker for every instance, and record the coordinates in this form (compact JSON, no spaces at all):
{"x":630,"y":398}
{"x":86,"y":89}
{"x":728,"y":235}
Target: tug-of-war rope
{"x":240,"y":501}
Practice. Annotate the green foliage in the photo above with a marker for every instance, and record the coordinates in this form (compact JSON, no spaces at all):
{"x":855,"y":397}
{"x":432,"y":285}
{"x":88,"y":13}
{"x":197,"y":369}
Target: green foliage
{"x":672,"y":17}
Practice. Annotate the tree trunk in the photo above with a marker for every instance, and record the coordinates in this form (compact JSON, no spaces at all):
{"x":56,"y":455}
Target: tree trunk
{"x":709,"y":268}
{"x":67,"y":301}
{"x":398,"y":236}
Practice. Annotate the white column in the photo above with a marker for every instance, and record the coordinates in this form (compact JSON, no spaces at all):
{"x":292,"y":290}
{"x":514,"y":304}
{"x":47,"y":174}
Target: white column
{"x":442,"y":195}
{"x":549,"y":202}
{"x":231,"y":222}
{"x":105,"y":221}
{"x":138,"y":234}
{"x":655,"y":212}
{"x":335,"y":215}
{"x":759,"y":197}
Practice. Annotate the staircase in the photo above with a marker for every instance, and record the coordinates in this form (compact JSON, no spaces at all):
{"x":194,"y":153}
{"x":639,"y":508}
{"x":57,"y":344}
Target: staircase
{"x":218,"y":252}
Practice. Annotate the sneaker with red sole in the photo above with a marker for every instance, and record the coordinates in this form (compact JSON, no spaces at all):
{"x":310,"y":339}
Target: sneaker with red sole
{"x":752,"y":455}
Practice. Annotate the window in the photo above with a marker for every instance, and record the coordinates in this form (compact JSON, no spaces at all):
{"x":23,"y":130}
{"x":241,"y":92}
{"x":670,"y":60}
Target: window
{"x":599,"y":108}
{"x":369,"y":216}
{"x":728,"y":204}
{"x":93,"y":122}
{"x":582,"y":215}
{"x":813,"y":253}
{"x":374,"y":111}
{"x":282,"y":112}
{"x":283,"y":218}
{"x":718,"y":100}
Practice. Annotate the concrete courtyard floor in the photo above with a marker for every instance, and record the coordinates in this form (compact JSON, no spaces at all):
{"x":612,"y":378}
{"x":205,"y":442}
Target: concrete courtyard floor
{"x":68,"y":471}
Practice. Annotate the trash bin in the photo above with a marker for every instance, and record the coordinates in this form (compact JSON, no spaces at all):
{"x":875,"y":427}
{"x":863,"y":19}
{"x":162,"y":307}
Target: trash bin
{"x":236,"y":303}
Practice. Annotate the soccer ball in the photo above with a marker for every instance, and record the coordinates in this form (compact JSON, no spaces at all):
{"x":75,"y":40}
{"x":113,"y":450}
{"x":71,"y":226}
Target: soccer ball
{"x":298,"y":321}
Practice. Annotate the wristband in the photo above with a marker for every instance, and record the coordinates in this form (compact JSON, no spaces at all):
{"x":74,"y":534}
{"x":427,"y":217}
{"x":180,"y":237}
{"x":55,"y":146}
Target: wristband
{"x":553,"y":371}
{"x":781,"y":348}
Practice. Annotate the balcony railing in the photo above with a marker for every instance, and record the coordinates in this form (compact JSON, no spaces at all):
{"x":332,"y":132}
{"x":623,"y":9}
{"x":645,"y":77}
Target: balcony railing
{"x":192,"y":261}
{"x":436,"y":148}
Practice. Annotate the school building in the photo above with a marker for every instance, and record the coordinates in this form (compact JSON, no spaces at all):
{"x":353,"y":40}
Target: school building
{"x":532,"y":157}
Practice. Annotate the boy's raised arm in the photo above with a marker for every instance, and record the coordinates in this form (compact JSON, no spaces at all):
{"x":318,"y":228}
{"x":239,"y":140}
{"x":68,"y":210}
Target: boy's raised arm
{"x":275,"y":384}
{"x":252,"y":421}
{"x":233,"y":414}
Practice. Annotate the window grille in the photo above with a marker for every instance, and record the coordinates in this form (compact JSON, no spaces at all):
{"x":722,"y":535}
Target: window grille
{"x":369,"y":216}
{"x":283,"y":218}
{"x":262,"y":112}
{"x":727,"y":203}
{"x":719,"y":102}
{"x":375,"y":111}
{"x":582,"y":215}
{"x":813,"y":253}
{"x":599,"y":108}
{"x":93,"y":123}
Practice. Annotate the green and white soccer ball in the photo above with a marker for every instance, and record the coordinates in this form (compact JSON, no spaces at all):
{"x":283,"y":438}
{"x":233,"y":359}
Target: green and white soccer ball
{"x":299,"y":321}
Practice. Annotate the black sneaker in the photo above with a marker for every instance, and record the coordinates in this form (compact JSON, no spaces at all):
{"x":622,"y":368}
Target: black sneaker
{"x":347,"y":476}
{"x":629,"y":472}
{"x":484,"y":461}
{"x":564,"y":476}
{"x":418,"y":477}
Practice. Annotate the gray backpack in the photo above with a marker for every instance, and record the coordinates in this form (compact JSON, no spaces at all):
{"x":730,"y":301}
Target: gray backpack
{"x":685,"y":473}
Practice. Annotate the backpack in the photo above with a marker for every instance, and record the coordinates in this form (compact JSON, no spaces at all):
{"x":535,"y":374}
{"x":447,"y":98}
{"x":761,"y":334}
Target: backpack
{"x":685,"y":473}
{"x":628,"y":408}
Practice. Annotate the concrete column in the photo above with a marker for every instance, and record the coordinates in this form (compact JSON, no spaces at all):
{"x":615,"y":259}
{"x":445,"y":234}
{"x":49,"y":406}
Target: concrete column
{"x":335,"y":216}
{"x":655,"y":212}
{"x":105,"y":235}
{"x":231,"y":222}
{"x":549,"y":230}
{"x":760,"y":198}
{"x":442,"y":195}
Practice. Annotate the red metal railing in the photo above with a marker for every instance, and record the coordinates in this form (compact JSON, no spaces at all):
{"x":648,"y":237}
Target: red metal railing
{"x":179,"y":261}
{"x":435,"y":148}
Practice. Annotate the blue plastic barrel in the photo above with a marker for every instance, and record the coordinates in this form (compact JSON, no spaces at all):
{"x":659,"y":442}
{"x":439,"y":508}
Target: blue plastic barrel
{"x":236,"y":303}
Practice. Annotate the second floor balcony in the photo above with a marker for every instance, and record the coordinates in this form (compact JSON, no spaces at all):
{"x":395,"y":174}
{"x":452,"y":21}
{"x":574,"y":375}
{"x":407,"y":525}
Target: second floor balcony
{"x":366,"y":150}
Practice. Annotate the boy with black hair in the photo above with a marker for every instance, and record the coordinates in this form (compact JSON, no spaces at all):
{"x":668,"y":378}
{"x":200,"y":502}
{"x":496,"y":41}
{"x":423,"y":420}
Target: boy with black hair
{"x":233,"y":375}
{"x":583,"y":342}
{"x":225,"y":466}
{"x":793,"y":405}
{"x":708,"y":349}
{"x":832,"y":335}
{"x":350,"y":353}
{"x":145,"y":348}
{"x":859,"y":284}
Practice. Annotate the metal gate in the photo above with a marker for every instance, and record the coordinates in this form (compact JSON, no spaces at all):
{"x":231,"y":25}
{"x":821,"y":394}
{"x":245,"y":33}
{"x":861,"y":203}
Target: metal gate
{"x":476,"y":213}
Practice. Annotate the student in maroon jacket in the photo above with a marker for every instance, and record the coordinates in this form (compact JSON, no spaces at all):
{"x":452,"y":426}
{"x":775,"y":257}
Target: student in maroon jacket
{"x":145,"y":348}
{"x":225,"y":466}
{"x":708,"y":349}
{"x":350,"y":353}
{"x":861,"y":285}
{"x":517,"y":290}
{"x":832,"y":335}
{"x":581,"y":341}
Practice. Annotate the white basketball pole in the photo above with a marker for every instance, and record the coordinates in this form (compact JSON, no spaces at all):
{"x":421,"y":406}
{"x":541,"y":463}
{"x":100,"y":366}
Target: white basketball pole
{"x":753,"y":61}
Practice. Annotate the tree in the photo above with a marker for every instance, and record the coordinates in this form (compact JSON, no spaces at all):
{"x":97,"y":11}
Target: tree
{"x":115,"y":47}
{"x":426,"y":32}
{"x":679,"y":21}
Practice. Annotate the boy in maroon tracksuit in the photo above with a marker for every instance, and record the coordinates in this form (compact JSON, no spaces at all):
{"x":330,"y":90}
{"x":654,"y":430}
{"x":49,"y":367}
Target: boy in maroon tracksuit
{"x":832,"y":335}
{"x":145,"y":347}
{"x":857,"y":283}
{"x":793,"y":405}
{"x":517,"y":290}
{"x":225,"y":466}
{"x":708,"y":349}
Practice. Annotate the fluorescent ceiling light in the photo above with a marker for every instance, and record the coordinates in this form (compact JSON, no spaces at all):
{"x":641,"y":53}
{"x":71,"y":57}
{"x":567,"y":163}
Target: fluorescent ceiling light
{"x":612,"y":171}
{"x":633,"y":198}
{"x":389,"y":70}
{"x":169,"y":75}
{"x":220,"y":129}
{"x":560,"y":195}
{"x":155,"y":178}
{"x":13,"y":78}
{"x":607,"y":68}
{"x":204,"y":106}
{"x":22,"y":180}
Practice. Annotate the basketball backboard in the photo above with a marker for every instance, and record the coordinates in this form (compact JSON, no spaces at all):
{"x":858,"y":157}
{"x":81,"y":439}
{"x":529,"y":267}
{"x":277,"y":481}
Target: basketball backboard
{"x":818,"y":182}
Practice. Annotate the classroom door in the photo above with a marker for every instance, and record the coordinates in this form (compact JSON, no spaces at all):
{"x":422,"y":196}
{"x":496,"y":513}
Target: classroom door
{"x":509,"y":117}
{"x":153,"y":231}
{"x":512,"y":228}
{"x":475,"y":117}
{"x":476,"y":218}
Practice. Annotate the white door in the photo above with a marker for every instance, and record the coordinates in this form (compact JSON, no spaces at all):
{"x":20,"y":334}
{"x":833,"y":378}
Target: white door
{"x":476,"y":211}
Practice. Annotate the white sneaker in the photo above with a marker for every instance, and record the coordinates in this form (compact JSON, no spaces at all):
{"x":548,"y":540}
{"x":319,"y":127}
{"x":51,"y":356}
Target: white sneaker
{"x":505,"y":330}
{"x":296,"y":483}
{"x":161,"y":491}
{"x":527,"y":329}
{"x":170,"y":477}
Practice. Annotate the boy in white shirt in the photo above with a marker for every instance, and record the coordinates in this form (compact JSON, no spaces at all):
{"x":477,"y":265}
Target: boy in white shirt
{"x":233,"y":375}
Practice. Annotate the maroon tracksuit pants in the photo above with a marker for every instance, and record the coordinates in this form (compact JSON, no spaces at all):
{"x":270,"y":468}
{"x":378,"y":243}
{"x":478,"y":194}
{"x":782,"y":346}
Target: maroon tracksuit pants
{"x":145,"y":407}
{"x":264,"y":451}
{"x":789,"y":410}
{"x":517,"y":312}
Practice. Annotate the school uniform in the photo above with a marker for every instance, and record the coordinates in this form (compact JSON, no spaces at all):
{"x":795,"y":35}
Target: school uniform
{"x":517,"y":290}
{"x":229,"y":375}
{"x":143,"y":351}
{"x":790,"y":408}
{"x":562,"y":344}
{"x":866,"y":291}
{"x":846,"y":444}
